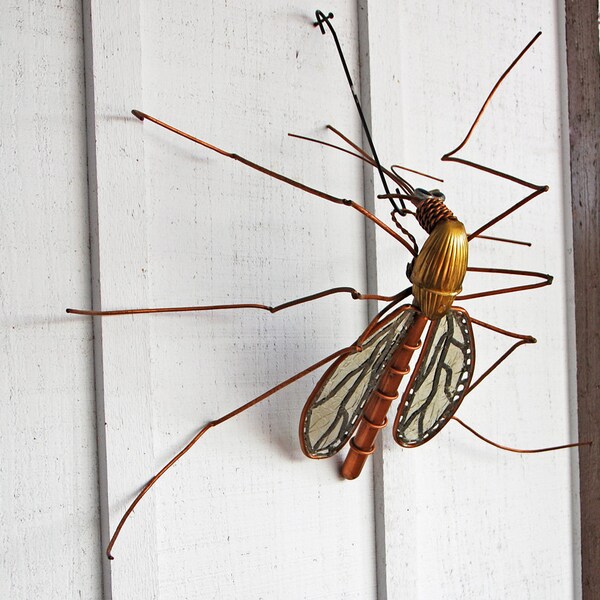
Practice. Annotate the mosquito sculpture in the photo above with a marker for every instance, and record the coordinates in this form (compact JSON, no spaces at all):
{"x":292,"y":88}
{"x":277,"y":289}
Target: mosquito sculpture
{"x":356,"y":391}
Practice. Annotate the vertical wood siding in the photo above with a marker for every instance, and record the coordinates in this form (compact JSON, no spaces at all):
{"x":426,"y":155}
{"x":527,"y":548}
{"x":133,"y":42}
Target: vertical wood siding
{"x":462,"y":519}
{"x":49,"y":542}
{"x":245,"y":515}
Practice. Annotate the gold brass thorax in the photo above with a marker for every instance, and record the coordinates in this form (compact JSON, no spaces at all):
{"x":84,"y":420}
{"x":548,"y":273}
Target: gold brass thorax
{"x":439,"y":269}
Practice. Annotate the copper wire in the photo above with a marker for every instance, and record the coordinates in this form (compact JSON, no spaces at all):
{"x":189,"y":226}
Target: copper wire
{"x":343,"y":201}
{"x":432,"y":211}
{"x":272,"y":309}
{"x":518,"y":450}
{"x":230,"y":415}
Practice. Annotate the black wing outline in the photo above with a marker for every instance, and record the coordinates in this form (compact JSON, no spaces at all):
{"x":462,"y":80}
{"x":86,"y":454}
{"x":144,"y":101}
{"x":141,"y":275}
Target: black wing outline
{"x":440,"y":380}
{"x":332,"y":411}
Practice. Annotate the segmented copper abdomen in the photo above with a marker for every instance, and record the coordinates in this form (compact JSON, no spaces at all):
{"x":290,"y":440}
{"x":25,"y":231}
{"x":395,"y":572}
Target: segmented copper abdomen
{"x":440,"y":267}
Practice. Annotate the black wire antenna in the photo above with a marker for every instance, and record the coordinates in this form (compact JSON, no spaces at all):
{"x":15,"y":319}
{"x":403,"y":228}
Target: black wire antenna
{"x":321,"y":19}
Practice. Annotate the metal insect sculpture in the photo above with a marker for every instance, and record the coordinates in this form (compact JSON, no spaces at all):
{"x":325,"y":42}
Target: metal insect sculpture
{"x":351,"y":400}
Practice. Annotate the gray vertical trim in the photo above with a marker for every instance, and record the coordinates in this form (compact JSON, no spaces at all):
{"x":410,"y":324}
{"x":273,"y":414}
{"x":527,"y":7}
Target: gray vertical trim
{"x":370,"y":183}
{"x":113,"y":65}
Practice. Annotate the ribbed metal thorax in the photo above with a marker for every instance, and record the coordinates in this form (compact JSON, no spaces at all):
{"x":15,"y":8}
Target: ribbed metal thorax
{"x":439,"y":269}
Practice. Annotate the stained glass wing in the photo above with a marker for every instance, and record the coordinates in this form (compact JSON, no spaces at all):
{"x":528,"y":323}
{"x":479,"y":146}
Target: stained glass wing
{"x":439,"y":381}
{"x":333,"y":409}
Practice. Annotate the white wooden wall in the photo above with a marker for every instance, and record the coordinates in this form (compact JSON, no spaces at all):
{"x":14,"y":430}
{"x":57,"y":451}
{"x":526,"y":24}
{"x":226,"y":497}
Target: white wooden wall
{"x":245,"y":515}
{"x":49,"y":513}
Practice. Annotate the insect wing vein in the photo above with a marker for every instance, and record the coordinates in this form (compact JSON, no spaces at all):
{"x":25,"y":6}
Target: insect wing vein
{"x":333,"y":409}
{"x":439,"y":382}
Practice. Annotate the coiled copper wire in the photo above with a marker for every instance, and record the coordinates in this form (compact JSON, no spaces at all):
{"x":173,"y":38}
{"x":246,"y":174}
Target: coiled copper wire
{"x":431,"y":212}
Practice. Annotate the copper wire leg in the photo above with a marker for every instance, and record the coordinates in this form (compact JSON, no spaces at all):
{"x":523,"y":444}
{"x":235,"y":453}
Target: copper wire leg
{"x":272,"y":309}
{"x":521,"y":339}
{"x":513,"y":208}
{"x":230,"y":415}
{"x":500,"y":239}
{"x":537,"y":189}
{"x":493,"y":91}
{"x":356,"y":347}
{"x":547,"y":280}
{"x":343,"y":201}
{"x":360,"y":154}
{"x":519,"y":450}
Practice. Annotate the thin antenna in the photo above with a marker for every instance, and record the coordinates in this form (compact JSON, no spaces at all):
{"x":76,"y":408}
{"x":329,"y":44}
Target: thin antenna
{"x":322,"y":18}
{"x":394,"y":167}
{"x":360,"y":154}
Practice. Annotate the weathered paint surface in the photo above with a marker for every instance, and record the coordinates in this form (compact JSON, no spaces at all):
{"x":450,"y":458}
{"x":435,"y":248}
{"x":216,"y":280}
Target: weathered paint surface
{"x":461,"y":519}
{"x":49,"y":537}
{"x":245,"y":515}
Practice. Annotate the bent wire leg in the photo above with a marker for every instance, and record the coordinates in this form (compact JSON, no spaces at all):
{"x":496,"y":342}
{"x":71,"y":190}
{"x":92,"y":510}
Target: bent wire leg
{"x":537,"y":189}
{"x":391,"y":173}
{"x":504,"y":240}
{"x":521,"y":339}
{"x":365,"y":157}
{"x":344,"y":351}
{"x":354,"y":348}
{"x":272,"y":309}
{"x":362,"y":155}
{"x":343,"y":201}
{"x":519,"y":450}
{"x":547,"y":280}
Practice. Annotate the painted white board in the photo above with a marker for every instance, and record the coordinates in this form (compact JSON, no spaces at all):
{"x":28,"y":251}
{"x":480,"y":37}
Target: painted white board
{"x":49,"y":542}
{"x":245,"y":514}
{"x":462,"y":519}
